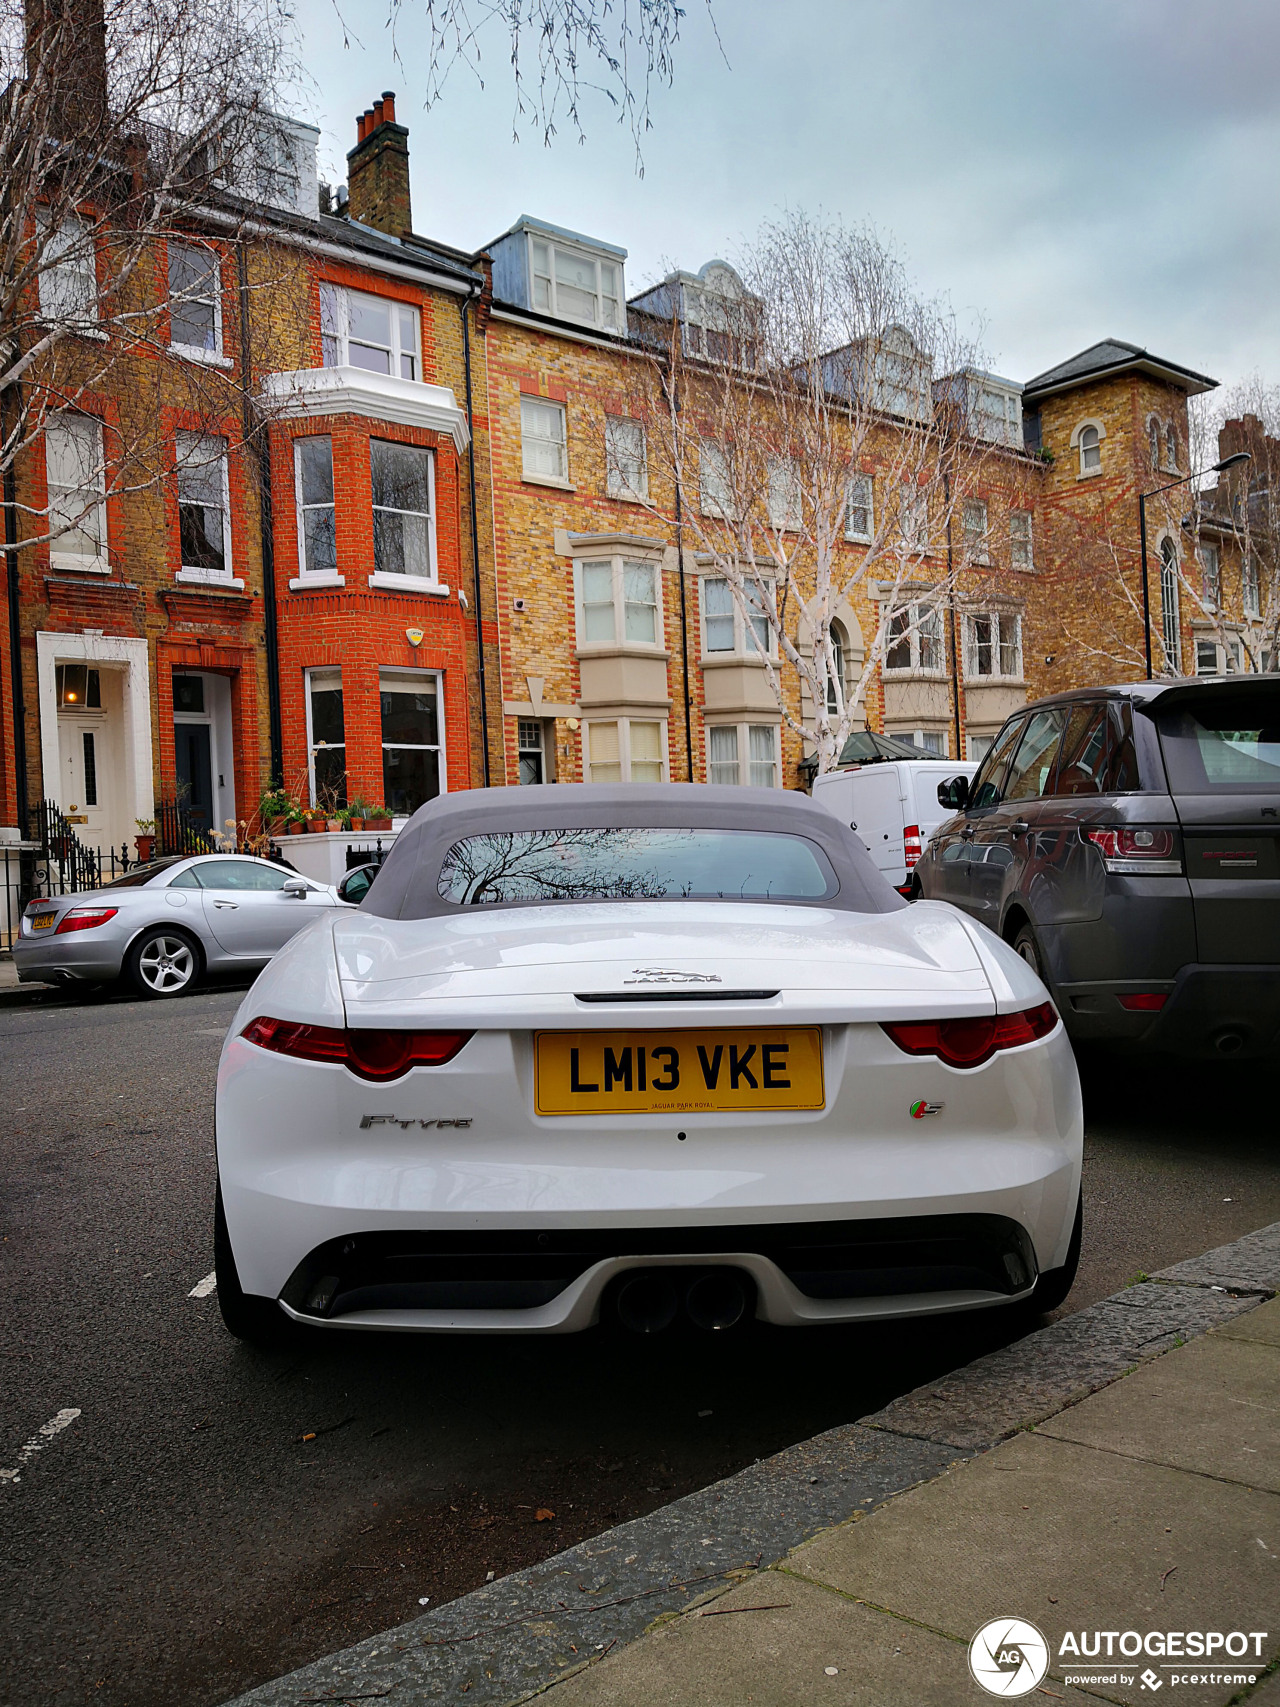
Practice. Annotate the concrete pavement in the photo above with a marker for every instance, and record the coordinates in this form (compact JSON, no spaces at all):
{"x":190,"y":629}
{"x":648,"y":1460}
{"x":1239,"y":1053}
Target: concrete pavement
{"x":1152,"y":1506}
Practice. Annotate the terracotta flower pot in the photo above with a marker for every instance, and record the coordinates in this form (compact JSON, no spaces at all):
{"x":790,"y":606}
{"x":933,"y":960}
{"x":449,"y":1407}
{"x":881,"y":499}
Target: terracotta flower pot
{"x":297,"y":827}
{"x":276,"y":827}
{"x":377,"y":823}
{"x":333,"y":825}
{"x":315,"y":826}
{"x":357,"y":824}
{"x":146,"y":846}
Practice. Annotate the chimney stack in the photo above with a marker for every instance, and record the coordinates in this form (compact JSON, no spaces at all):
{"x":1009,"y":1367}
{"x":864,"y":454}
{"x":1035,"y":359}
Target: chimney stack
{"x":378,"y":170}
{"x":66,"y":42}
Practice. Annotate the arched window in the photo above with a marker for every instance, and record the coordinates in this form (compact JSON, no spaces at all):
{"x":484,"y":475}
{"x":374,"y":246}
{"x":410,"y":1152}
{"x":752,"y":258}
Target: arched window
{"x":1169,"y":605}
{"x":1153,"y":431}
{"x":1171,"y":447}
{"x":839,"y":653}
{"x":1090,"y":450}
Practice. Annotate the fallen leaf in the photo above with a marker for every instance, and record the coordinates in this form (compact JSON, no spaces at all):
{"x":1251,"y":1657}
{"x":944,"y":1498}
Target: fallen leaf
{"x":544,"y":1514}
{"x":310,"y":1436}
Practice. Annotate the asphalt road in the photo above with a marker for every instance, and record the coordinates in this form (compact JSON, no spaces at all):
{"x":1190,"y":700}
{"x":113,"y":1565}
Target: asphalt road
{"x":215,"y":1515}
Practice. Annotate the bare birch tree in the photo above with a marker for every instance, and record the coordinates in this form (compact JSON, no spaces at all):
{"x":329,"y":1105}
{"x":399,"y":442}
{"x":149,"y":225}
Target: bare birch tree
{"x":124,"y":126}
{"x":816,"y":427}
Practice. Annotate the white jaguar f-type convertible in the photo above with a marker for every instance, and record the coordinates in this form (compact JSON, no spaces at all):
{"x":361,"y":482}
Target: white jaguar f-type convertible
{"x":589,"y":1052}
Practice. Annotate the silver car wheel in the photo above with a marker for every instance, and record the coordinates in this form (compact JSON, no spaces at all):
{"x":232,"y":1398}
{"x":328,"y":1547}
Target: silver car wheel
{"x":166,"y":964}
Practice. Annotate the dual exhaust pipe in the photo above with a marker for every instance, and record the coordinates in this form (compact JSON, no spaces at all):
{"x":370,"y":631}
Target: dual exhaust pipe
{"x":714,"y":1299}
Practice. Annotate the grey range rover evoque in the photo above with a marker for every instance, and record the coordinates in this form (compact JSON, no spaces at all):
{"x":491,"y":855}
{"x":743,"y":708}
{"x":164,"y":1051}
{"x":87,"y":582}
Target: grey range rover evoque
{"x":1126,"y":840}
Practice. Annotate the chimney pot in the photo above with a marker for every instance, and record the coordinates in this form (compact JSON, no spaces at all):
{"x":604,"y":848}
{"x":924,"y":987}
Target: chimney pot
{"x":377,"y":114}
{"x":378,"y":171}
{"x":389,"y":106}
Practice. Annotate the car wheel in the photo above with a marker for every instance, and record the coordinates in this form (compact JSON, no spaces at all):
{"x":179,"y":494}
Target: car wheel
{"x":1055,"y":1283}
{"x":257,"y":1320}
{"x":916,"y":892}
{"x":1026,"y":945}
{"x":163,"y":962}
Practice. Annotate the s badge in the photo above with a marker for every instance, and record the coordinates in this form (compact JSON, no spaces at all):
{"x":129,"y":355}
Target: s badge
{"x":920,"y":1109}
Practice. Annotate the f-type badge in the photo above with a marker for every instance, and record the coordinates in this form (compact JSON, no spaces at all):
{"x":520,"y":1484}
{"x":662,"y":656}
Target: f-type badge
{"x":920,"y":1109}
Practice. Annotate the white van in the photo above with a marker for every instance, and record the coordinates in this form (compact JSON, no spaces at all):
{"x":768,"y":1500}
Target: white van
{"x":893,"y":807}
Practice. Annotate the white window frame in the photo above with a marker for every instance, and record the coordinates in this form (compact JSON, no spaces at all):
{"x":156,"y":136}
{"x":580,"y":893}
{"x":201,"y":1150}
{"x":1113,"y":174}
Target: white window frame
{"x":913,"y":518}
{"x":863,"y":483}
{"x":978,"y":746}
{"x":715,"y":494}
{"x":226,"y":577}
{"x":998,"y":619}
{"x":916,"y":739}
{"x":553,"y":306}
{"x":527,"y":438}
{"x":308,"y":676}
{"x":1016,"y":541}
{"x":335,"y":331}
{"x":1170,"y":439}
{"x":618,"y":561}
{"x":437,"y":676}
{"x":1211,"y":568}
{"x":312,"y":577}
{"x":1078,"y":432}
{"x":977,"y":540}
{"x":917,"y":614}
{"x":388,"y":578}
{"x":620,"y":462}
{"x":624,"y":744}
{"x":68,"y":288}
{"x":72,"y":422}
{"x":216,"y":357}
{"x":1004,"y":427}
{"x":785,"y":495}
{"x":1204,"y":645}
{"x":742,"y":647}
{"x":742,"y":760}
{"x":1250,"y":586}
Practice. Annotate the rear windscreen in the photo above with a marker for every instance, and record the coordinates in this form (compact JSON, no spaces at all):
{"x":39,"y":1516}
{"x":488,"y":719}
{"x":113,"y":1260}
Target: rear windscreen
{"x":648,"y":864}
{"x":1226,"y":743}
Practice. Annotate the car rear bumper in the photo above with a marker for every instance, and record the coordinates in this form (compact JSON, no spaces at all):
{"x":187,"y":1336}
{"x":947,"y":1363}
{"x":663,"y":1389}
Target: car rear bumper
{"x":1211,"y":1012}
{"x":800,"y":1274}
{"x":73,"y":958}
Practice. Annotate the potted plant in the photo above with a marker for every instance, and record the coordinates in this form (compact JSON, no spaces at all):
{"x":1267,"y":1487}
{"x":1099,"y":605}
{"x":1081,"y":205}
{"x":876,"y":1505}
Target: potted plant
{"x":358,"y":814}
{"x":377,"y":818}
{"x":314,"y":819}
{"x":145,"y":839}
{"x":275,"y":809}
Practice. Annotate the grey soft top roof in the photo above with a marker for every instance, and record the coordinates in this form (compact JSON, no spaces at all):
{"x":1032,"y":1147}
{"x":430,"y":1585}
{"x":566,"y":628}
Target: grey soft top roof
{"x":407,"y":885}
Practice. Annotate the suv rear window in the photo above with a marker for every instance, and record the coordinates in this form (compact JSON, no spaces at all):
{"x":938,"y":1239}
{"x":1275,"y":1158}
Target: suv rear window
{"x":647,"y":864}
{"x":1223,"y":743}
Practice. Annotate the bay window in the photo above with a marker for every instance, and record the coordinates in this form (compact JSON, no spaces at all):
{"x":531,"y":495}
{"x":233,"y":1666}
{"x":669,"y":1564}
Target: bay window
{"x":326,"y":738}
{"x":728,"y":628}
{"x":411,"y":743}
{"x":730,"y":744}
{"x":317,"y":530}
{"x":618,"y":602}
{"x":914,"y":640}
{"x":993,"y":645}
{"x":626,"y":749}
{"x":404,"y":543}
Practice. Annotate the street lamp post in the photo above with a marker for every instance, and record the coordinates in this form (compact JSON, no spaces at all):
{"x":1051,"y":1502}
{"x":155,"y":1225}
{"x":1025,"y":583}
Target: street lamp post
{"x":1217,"y":468}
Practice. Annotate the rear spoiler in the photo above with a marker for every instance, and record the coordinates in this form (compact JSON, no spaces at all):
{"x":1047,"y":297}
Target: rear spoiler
{"x":1182,"y":693}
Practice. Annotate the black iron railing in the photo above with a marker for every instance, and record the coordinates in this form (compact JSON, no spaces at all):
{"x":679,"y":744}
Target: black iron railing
{"x":366,"y":856}
{"x":64,"y":864}
{"x":177,"y":834}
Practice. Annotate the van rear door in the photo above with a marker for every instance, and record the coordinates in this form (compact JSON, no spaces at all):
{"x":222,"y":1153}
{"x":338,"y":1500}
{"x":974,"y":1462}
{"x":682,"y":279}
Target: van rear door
{"x":877,"y":817}
{"x":1221,"y":748}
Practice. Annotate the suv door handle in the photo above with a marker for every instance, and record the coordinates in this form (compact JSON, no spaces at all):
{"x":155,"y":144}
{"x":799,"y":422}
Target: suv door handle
{"x":1019,"y":828}
{"x":967,"y":833}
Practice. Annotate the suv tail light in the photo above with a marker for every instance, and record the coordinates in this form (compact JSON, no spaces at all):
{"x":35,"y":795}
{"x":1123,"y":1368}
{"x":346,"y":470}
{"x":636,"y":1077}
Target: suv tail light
{"x":1145,"y":849}
{"x":911,"y":844}
{"x":970,"y":1042}
{"x":375,"y":1055}
{"x":84,"y":919}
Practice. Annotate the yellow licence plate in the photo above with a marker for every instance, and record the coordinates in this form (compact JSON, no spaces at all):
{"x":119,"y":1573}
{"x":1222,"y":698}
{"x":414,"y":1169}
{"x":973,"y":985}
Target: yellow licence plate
{"x":678,"y":1072}
{"x":42,"y":921}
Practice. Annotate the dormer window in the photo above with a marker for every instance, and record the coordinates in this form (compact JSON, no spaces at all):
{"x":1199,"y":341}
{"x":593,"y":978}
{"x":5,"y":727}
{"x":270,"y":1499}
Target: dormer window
{"x":574,"y":285}
{"x":369,"y":332}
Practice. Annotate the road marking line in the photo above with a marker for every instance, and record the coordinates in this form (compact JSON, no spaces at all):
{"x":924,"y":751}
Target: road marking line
{"x":39,"y":1440}
{"x":203,"y":1288}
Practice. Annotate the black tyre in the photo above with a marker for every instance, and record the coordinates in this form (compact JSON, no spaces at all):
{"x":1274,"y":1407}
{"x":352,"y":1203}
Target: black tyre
{"x":1055,"y":1284}
{"x":259,"y":1321}
{"x":163,"y":962}
{"x":916,"y":893}
{"x":1025,"y":944}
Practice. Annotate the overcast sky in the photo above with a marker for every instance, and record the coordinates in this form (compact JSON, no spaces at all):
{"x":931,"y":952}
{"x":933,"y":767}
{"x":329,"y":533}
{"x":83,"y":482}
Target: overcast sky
{"x":1061,"y":173}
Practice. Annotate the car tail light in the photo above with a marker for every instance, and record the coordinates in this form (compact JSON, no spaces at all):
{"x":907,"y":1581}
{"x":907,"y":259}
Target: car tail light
{"x":1144,"y":1001}
{"x":84,"y":919}
{"x":376,"y":1055}
{"x":911,"y":844}
{"x":970,"y":1042}
{"x":1140,"y":848}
